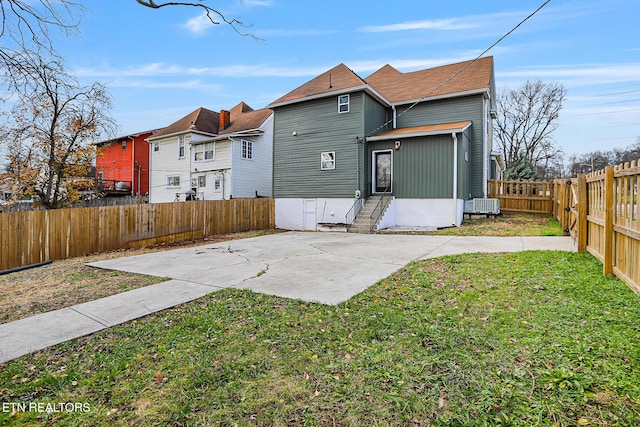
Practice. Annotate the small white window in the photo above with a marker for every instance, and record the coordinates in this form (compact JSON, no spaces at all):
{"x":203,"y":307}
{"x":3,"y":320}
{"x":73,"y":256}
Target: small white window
{"x":343,"y":104}
{"x":328,"y":160}
{"x":173,"y":181}
{"x":181,"y":146}
{"x":202,"y":181}
{"x":217,"y":183}
{"x":156,"y":147}
{"x":204,"y":152}
{"x":124,"y":144}
{"x":247,"y":150}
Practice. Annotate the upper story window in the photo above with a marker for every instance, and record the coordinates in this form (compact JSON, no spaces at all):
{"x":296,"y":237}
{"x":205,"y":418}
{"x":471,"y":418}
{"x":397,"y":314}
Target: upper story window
{"x":156,"y":147}
{"x":204,"y":151}
{"x":124,"y":144}
{"x":181,"y":147}
{"x":343,"y":104}
{"x":247,"y":150}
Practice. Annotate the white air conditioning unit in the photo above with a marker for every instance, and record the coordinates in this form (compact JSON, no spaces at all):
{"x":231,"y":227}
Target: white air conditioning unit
{"x":482,"y":206}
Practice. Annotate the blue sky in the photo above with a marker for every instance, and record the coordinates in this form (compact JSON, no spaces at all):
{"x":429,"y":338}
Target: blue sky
{"x":162,"y":64}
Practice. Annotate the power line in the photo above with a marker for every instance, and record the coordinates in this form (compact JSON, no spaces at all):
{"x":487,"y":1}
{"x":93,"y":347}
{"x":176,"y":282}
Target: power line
{"x":463,"y":68}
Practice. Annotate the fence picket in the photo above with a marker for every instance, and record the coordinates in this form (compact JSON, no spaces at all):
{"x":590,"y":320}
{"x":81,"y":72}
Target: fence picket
{"x":29,"y":237}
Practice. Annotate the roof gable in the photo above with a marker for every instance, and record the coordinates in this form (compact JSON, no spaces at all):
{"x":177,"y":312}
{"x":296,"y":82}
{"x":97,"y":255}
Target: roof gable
{"x":200,"y":120}
{"x":336,"y":79}
{"x":244,"y":118}
{"x":444,"y":80}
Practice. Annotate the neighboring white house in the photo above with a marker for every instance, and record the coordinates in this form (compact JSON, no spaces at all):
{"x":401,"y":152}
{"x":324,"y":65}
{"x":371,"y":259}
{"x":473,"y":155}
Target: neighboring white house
{"x":213,"y":156}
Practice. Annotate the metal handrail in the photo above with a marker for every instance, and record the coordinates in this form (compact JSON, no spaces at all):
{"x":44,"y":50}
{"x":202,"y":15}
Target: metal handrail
{"x":353,"y":212}
{"x":379,"y":209}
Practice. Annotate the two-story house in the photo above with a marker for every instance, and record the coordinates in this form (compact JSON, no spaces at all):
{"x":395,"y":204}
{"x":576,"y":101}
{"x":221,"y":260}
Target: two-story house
{"x":122,"y":165}
{"x":210,"y":155}
{"x":422,"y":139}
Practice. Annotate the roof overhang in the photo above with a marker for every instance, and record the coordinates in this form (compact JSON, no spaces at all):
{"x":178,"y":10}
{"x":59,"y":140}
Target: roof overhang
{"x":182,"y":132}
{"x":416,"y":131}
{"x":366,"y":88}
{"x":231,"y":135}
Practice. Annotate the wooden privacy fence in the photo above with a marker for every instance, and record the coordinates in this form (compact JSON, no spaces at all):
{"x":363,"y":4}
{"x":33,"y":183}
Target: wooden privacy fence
{"x":37,"y":236}
{"x":523,"y":196}
{"x":600,"y":211}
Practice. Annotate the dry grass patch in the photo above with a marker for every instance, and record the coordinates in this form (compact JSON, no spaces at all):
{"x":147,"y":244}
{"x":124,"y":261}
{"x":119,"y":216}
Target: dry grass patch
{"x":69,"y":282}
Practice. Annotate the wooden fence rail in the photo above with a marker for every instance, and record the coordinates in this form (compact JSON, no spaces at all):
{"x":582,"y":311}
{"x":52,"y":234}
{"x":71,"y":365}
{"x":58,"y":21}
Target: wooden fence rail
{"x":600,"y":211}
{"x":37,"y":236}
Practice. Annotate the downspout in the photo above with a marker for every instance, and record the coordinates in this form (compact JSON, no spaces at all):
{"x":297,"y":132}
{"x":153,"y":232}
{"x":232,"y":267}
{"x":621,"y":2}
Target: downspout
{"x":455,"y":178}
{"x":485,"y":143}
{"x":133,"y":162}
{"x":395,"y":116}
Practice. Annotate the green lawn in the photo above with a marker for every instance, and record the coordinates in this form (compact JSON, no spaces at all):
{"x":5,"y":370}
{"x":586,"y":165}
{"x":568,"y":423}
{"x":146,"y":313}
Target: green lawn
{"x":532,"y":338}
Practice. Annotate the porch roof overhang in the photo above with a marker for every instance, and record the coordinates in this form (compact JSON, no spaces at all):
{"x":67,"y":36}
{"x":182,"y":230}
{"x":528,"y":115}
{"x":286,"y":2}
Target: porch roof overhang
{"x":426,"y":130}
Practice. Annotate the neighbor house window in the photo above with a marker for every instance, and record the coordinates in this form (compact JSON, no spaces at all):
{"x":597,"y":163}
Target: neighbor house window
{"x":328,"y":160}
{"x":181,"y":147}
{"x":217,"y":183}
{"x":204,"y":151}
{"x":247,"y":150}
{"x":100,"y":176}
{"x":202,"y":181}
{"x":124,"y":145}
{"x":156,"y":146}
{"x":343,"y":104}
{"x":173,"y":181}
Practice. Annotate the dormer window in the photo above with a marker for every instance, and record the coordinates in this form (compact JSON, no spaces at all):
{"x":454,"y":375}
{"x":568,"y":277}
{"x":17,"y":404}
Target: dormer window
{"x":343,"y":104}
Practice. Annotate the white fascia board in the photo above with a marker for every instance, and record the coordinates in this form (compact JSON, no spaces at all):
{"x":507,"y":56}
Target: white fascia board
{"x":415,"y":134}
{"x":182,"y":132}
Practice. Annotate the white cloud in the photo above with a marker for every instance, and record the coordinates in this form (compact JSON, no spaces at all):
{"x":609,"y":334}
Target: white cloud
{"x":578,"y":75}
{"x":198,"y":25}
{"x":428,"y":24}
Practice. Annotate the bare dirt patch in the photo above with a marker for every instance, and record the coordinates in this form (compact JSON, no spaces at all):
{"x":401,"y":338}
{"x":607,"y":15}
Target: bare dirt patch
{"x":69,"y":282}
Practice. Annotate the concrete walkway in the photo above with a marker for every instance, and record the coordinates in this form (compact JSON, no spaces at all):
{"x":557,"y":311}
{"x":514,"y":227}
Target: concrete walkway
{"x":327,"y":268}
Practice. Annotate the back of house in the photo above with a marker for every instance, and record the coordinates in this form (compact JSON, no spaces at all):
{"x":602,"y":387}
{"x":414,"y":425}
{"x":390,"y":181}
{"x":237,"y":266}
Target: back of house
{"x":392,"y":149}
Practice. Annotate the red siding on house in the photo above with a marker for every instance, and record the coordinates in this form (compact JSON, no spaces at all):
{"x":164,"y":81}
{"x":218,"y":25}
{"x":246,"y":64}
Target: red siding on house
{"x":128,"y":164}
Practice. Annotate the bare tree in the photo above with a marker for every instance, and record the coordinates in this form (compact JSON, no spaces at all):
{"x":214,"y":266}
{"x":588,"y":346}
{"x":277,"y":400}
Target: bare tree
{"x":50,"y":128}
{"x":527,"y":117}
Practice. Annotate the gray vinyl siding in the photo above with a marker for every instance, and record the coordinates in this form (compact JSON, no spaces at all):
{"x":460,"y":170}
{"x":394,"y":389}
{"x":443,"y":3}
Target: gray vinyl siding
{"x":423,"y":167}
{"x":319,"y":127}
{"x":454,"y":110}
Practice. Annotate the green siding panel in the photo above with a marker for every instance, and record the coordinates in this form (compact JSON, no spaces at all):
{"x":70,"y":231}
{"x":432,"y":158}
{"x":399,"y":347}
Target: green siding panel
{"x":319,"y":128}
{"x":423,"y":167}
{"x":453,"y":110}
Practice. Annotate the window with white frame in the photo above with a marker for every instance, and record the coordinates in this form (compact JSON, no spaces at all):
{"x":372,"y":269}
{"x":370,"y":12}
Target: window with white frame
{"x":217,"y":183}
{"x":156,"y":147}
{"x":173,"y":181}
{"x":202,"y":181}
{"x":247,"y":149}
{"x":343,"y":104}
{"x":204,"y":151}
{"x":181,"y":147}
{"x":124,"y":144}
{"x":328,"y":160}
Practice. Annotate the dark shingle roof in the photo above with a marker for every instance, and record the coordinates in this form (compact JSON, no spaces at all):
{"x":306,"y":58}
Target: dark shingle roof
{"x":243,"y":117}
{"x":200,"y":120}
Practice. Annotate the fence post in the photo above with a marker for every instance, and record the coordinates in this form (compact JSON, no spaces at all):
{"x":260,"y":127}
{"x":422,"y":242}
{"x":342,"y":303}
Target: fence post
{"x":608,"y":222}
{"x":583,"y":208}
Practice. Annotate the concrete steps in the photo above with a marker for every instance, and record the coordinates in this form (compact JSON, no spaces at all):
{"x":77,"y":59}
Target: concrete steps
{"x":362,"y":223}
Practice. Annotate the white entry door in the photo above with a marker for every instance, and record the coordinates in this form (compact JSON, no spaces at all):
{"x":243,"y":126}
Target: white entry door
{"x":309,"y":212}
